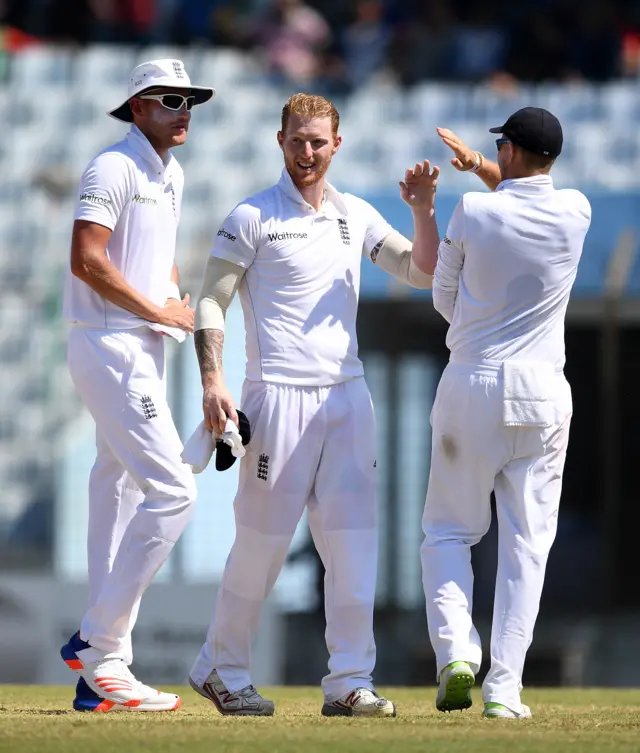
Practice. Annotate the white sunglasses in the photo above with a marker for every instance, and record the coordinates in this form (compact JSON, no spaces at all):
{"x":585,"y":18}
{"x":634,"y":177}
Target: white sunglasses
{"x":173,"y":102}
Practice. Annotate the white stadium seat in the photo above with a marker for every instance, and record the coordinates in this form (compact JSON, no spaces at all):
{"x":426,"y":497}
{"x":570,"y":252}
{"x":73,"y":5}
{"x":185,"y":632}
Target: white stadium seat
{"x":56,"y":101}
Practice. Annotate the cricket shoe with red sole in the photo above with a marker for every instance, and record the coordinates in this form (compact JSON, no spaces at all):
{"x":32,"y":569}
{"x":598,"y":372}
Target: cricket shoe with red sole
{"x":87,"y":700}
{"x":112,"y":681}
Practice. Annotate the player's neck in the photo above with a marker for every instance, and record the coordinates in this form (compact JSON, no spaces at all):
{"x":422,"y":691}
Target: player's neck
{"x":517,"y":173}
{"x":161,"y":151}
{"x":314,"y":194}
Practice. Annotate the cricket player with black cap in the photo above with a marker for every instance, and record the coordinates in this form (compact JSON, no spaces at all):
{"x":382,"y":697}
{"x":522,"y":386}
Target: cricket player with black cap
{"x":502,"y":410}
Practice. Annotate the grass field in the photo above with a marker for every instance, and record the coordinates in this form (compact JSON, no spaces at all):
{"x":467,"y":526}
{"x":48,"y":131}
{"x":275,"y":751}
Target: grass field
{"x":38,"y":720}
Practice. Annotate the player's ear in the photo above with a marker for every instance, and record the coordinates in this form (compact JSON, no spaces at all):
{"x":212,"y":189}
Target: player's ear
{"x":280,"y":137}
{"x":135,"y":103}
{"x":337,"y":140}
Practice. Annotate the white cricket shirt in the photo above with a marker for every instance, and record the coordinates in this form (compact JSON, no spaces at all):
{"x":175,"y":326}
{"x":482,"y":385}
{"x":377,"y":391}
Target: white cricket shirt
{"x":130,"y":190}
{"x":300,"y":290}
{"x":506,"y":268}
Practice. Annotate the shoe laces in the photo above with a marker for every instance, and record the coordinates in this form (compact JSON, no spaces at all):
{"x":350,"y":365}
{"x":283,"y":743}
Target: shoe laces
{"x":367,"y":696}
{"x":116,"y":668}
{"x":249,"y":692}
{"x":360,"y":697}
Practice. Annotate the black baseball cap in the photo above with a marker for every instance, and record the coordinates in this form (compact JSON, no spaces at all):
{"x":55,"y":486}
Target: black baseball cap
{"x":534,"y":129}
{"x":224,"y":457}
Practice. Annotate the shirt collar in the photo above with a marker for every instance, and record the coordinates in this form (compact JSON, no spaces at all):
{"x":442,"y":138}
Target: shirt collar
{"x":141,"y":145}
{"x":533,"y":184}
{"x":333,"y":206}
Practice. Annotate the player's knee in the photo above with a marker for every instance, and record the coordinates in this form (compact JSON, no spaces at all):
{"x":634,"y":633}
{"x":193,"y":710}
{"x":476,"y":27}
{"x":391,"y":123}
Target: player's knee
{"x":174,"y":498}
{"x":356,"y":595}
{"x":191,"y":491}
{"x":177,"y":508}
{"x":435,"y":539}
{"x":186,"y":491}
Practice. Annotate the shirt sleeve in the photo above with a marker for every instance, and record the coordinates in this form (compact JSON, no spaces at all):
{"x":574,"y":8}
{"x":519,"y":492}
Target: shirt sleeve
{"x":450,"y":261}
{"x":377,"y":228}
{"x":104,"y":188}
{"x":238,"y":237}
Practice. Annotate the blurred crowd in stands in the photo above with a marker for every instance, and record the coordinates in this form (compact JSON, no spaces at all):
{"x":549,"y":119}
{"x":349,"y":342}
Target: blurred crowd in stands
{"x":342,"y":44}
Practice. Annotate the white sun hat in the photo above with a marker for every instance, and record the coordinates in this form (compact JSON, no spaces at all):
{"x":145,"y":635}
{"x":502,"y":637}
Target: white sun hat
{"x":156,"y":74}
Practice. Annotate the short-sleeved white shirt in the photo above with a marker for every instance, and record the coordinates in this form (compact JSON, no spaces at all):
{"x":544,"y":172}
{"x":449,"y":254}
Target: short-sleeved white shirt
{"x":130,"y":190}
{"x":300,"y":290}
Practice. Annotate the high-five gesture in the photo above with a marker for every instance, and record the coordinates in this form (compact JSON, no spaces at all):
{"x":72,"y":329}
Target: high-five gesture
{"x":464,"y":158}
{"x":418,"y":189}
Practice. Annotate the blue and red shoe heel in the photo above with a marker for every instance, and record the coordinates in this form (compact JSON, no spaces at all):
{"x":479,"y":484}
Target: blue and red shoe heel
{"x":69,"y":651}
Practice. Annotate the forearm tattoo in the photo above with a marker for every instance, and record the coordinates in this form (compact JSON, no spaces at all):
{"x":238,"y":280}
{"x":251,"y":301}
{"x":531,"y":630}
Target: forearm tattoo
{"x":209,"y":349}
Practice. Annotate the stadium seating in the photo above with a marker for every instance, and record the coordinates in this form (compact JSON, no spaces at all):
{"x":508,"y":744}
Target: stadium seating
{"x":55,"y":102}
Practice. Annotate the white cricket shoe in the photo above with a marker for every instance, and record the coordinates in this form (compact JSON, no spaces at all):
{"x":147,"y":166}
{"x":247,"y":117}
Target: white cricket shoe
{"x":244,"y":702}
{"x":112,"y":680}
{"x":500,"y":711}
{"x":87,"y":700}
{"x":108,"y":684}
{"x":359,"y":702}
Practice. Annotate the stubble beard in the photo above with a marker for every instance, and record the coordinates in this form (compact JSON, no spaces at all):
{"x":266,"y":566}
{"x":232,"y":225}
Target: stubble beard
{"x":308,"y":180}
{"x":163,"y":125}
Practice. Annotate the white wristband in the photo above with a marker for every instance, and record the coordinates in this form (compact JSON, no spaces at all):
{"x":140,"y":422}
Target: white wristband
{"x":173,"y":291}
{"x":479,"y":162}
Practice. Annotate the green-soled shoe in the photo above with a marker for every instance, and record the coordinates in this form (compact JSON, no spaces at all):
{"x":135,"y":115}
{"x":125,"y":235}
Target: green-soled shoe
{"x":500,"y":711}
{"x":454,"y":690}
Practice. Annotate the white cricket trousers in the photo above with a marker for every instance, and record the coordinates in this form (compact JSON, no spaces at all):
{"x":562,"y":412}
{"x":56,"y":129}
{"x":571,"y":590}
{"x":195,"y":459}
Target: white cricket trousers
{"x":141,"y":494}
{"x":313,"y":447}
{"x":473,"y":454}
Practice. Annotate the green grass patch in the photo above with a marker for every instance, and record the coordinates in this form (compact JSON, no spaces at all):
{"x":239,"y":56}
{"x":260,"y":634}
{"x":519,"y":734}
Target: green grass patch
{"x":40,"y":720}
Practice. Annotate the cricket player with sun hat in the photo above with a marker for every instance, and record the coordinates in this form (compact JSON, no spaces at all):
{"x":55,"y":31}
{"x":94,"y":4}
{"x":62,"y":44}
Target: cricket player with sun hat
{"x":121,"y":299}
{"x":293,"y":252}
{"x":503,"y":405}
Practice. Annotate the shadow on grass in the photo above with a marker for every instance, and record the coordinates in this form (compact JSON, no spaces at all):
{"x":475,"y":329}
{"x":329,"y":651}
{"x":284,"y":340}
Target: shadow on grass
{"x":37,"y":712}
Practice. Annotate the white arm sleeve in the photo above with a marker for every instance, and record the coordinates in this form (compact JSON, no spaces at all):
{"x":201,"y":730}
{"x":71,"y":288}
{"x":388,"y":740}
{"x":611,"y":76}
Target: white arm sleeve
{"x":173,"y":291}
{"x":221,"y":281}
{"x":393,"y":254}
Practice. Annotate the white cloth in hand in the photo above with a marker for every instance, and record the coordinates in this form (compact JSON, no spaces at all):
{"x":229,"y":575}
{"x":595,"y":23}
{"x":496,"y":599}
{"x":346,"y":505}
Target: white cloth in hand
{"x":199,"y":448}
{"x":201,"y":445}
{"x":529,"y":392}
{"x":178,"y":334}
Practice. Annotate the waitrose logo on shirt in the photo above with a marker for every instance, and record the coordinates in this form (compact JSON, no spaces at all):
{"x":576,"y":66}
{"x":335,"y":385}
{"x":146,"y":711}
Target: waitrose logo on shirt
{"x":144,"y":199}
{"x":273,"y":237}
{"x":93,"y":198}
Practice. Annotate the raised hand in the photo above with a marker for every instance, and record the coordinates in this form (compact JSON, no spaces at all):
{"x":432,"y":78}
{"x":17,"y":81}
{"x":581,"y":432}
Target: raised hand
{"x":418,"y":189}
{"x":465,"y":158}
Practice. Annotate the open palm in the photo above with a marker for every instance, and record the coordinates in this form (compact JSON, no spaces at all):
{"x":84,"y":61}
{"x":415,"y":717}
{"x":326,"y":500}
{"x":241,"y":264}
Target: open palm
{"x":418,"y":189}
